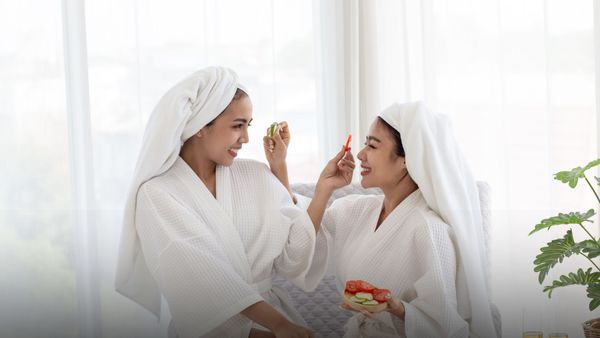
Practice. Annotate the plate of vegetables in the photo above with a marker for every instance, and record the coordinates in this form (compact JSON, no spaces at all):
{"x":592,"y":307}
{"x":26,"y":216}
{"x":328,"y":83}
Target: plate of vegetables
{"x":362,"y":295}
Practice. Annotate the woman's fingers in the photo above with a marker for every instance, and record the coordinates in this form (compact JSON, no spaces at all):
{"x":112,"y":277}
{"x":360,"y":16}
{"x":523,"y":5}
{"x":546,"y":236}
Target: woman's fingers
{"x":268,"y":144}
{"x":284,"y":130}
{"x":368,"y":314}
{"x":347,"y":163}
{"x":338,"y":156}
{"x":343,"y":306}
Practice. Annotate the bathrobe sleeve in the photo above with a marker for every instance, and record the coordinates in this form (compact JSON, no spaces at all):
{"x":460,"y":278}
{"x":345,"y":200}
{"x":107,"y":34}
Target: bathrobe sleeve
{"x":323,"y":251}
{"x":433,"y":313}
{"x":295,"y":260}
{"x":205,"y":294}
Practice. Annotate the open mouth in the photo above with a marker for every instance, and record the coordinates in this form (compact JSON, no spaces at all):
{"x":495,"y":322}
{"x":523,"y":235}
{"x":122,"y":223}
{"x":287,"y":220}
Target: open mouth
{"x":233,"y":151}
{"x":364,"y":171}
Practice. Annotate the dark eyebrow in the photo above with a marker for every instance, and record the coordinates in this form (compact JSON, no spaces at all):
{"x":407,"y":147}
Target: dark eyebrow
{"x":242,"y":120}
{"x":373,"y":138}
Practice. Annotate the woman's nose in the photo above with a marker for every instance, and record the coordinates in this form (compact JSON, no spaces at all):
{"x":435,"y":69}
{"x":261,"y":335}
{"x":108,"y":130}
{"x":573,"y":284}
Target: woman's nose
{"x":361,"y":155}
{"x":244,"y":138}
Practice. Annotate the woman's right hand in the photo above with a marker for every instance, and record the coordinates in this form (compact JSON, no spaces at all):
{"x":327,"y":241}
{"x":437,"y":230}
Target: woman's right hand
{"x":338,"y":172}
{"x":291,"y":330}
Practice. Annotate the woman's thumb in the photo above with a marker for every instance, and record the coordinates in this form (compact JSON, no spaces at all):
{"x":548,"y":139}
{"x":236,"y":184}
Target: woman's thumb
{"x":339,"y":155}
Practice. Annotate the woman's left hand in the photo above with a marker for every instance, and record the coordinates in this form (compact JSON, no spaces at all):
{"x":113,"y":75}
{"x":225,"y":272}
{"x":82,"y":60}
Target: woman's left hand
{"x":276,"y":147}
{"x":395,"y":308}
{"x":366,"y":313}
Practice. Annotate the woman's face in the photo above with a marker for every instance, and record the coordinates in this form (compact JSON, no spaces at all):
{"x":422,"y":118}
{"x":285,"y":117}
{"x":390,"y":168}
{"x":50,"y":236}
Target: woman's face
{"x":222,"y":140}
{"x":380,"y":166}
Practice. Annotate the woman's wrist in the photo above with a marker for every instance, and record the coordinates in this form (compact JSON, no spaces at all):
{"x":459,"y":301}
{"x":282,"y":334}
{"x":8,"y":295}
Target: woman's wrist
{"x":280,"y":171}
{"x":398,"y":310}
{"x":279,"y":325}
{"x":323,"y":189}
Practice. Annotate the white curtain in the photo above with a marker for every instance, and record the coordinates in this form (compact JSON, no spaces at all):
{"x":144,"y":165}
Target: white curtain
{"x":79,"y":78}
{"x":517,"y":79}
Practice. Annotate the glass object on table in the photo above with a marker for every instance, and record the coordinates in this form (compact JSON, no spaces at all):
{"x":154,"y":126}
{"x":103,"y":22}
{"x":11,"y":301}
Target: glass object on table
{"x":558,"y":335}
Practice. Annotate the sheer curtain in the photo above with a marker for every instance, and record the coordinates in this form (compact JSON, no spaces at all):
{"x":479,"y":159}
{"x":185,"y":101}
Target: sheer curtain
{"x":517,"y":79}
{"x":79,"y":79}
{"x":72,"y":113}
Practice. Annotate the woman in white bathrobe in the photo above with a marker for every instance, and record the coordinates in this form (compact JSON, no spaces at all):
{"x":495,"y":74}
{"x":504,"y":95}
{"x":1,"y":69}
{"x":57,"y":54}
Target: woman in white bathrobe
{"x":421,"y":239}
{"x":206,"y":231}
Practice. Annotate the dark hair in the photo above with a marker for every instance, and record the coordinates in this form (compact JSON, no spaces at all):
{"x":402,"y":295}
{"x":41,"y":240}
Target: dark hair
{"x":399,"y":150}
{"x":239,"y":94}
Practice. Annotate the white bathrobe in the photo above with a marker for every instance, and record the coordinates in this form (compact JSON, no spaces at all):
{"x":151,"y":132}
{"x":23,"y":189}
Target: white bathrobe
{"x":412,"y":254}
{"x":191,"y":243}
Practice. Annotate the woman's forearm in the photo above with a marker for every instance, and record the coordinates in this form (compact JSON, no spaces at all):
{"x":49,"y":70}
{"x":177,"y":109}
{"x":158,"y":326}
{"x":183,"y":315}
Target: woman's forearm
{"x":256,"y":333}
{"x":265,"y":315}
{"x":317,"y":205}
{"x":280,"y":171}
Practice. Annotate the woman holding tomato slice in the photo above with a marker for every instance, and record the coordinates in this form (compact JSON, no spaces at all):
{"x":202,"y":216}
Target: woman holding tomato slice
{"x":422,"y":239}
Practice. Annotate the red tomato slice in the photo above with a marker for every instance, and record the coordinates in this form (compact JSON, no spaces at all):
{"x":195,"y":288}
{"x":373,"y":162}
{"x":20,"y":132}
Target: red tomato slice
{"x":382,"y":295}
{"x":352,"y":286}
{"x":365,"y":286}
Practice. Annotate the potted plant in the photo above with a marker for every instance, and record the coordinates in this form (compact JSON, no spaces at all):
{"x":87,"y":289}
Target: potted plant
{"x":558,"y":249}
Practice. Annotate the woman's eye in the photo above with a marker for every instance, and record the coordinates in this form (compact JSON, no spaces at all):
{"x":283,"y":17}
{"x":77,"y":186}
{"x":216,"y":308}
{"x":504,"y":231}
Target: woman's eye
{"x":238,"y":126}
{"x":370,"y":146}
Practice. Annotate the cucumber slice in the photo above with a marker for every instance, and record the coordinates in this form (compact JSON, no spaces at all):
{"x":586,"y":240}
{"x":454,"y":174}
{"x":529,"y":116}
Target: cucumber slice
{"x":364,"y":295}
{"x":356,"y":300}
{"x":272,"y":129}
{"x":370,"y":302}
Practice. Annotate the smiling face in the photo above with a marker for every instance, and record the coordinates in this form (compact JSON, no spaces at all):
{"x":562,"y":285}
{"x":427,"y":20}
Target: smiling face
{"x":222,"y":139}
{"x":381,"y":166}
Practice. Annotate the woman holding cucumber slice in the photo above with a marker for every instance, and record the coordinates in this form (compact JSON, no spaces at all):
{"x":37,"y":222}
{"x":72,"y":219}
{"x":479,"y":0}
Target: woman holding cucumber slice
{"x":206,"y":231}
{"x":421,"y":240}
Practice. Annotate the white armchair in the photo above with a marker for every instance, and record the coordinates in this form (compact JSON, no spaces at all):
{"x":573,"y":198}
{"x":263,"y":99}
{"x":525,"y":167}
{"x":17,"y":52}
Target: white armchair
{"x":320,"y":308}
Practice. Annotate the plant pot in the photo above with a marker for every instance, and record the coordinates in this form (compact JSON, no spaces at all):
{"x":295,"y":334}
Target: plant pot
{"x":591,"y":328}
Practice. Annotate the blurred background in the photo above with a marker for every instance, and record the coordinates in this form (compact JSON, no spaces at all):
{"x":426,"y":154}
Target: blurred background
{"x":79,"y":78}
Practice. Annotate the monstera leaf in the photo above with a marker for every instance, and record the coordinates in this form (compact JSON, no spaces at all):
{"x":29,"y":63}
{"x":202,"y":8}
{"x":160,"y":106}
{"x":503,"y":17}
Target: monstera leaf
{"x":573,"y":176}
{"x":570,"y":218}
{"x":593,"y":292}
{"x":587,"y":278}
{"x":554,"y":252}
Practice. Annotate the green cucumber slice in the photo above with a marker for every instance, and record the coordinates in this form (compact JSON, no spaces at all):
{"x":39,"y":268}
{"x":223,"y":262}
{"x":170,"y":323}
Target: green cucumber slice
{"x":272,"y":129}
{"x":356,"y":300}
{"x":364,"y":295}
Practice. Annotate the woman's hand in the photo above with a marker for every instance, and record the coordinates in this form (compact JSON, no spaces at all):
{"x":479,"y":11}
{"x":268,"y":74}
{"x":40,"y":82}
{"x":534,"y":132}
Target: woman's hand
{"x":338,"y":172}
{"x":266,"y":315}
{"x":276,"y":147}
{"x":291,"y":330}
{"x":276,"y":151}
{"x":395,"y":308}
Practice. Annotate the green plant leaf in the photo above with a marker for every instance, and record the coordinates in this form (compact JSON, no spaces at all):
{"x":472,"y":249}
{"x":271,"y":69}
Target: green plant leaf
{"x":593,"y":292}
{"x":573,"y":176}
{"x":597,"y":180}
{"x":590,"y":248}
{"x":587,"y":278}
{"x":570,"y":218}
{"x":554,"y":252}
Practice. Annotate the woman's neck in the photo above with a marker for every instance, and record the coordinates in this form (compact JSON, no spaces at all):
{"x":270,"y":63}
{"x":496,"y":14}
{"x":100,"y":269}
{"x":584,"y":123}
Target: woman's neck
{"x":394,"y":195}
{"x":203,"y":167}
